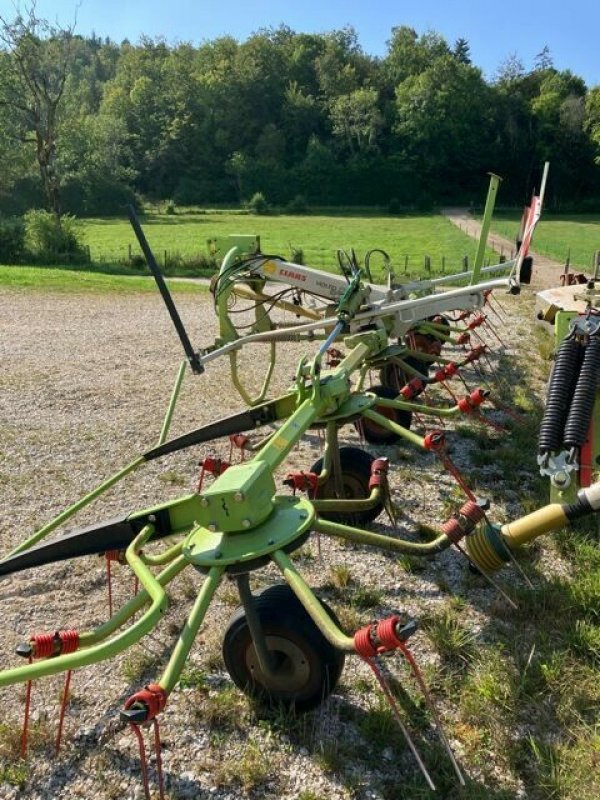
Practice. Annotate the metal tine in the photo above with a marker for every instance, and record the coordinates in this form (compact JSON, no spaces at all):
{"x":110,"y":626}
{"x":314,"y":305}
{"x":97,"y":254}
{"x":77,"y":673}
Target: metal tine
{"x":519,"y":569}
{"x":489,"y":325}
{"x":409,"y":740}
{"x":433,"y":710}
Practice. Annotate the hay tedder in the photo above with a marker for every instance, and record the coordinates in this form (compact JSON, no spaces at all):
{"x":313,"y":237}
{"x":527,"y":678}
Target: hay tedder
{"x":285,"y":646}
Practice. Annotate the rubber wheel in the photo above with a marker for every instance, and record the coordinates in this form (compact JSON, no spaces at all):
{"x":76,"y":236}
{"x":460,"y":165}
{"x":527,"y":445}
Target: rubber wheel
{"x":374,"y":433}
{"x":307,"y":666}
{"x":356,"y":473}
{"x":394,"y":377}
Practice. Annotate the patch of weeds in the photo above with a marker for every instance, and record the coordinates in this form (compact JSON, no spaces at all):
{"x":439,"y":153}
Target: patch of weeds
{"x":230,"y":596}
{"x":226,"y":709}
{"x":14,"y":774}
{"x":305,"y":553}
{"x":545,"y":342}
{"x":411,"y":564}
{"x":350,"y":618}
{"x":308,"y":794}
{"x":137,"y":662}
{"x":332,"y":755}
{"x":362,"y":685}
{"x":573,"y":687}
{"x":364,"y":597}
{"x":482,"y":458}
{"x":563,"y":770}
{"x":250,"y":770}
{"x":340,"y":576}
{"x":193,"y":678}
{"x":10,"y":740}
{"x":585,"y":640}
{"x":452,"y":639}
{"x":174,"y":478}
{"x":489,"y":687}
{"x":189,"y":587}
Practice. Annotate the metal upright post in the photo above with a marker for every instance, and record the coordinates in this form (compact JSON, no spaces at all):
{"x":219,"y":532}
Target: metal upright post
{"x":485,"y":226}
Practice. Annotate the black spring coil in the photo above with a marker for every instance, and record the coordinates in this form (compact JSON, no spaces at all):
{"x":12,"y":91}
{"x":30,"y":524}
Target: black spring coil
{"x":560,"y":390}
{"x":580,"y":413}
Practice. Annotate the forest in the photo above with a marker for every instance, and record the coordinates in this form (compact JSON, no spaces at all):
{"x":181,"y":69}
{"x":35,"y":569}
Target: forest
{"x":87,"y":124}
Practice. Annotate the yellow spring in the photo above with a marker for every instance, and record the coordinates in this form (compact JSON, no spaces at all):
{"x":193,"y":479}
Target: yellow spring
{"x":481,"y":549}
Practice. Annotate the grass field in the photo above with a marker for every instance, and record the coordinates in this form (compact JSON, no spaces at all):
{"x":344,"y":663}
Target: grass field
{"x":555,"y":236}
{"x":318,"y":236}
{"x":67,"y":279}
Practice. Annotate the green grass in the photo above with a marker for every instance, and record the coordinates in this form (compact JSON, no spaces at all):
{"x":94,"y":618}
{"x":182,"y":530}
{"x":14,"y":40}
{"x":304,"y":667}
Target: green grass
{"x":556,"y":235}
{"x":67,"y":279}
{"x":319,"y":236}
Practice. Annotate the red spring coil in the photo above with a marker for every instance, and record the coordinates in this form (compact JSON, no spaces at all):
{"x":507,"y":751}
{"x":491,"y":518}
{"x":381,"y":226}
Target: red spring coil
{"x":69,"y":641}
{"x":49,"y":644}
{"x":476,"y":322}
{"x":412,"y":389}
{"x":464,"y":338}
{"x":453,"y":529}
{"x":475,"y":354}
{"x":473,"y":512}
{"x":378,"y":637}
{"x":43,"y":644}
{"x":386,"y":633}
{"x":216,"y":466}
{"x":302,"y":481}
{"x":450,"y":370}
{"x":153,"y":697}
{"x":363,"y":643}
{"x":435,"y":440}
{"x":379,"y":471}
{"x":472,"y":401}
{"x":239,"y":440}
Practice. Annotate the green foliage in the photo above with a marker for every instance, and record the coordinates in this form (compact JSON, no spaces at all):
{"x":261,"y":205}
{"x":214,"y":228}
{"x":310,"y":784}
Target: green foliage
{"x":258,"y":204}
{"x":286,"y":114}
{"x":51,"y":238}
{"x":12,"y":240}
{"x":297,"y":205}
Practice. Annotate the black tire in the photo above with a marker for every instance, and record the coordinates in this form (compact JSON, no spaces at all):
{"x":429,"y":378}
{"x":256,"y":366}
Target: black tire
{"x":394,"y":377}
{"x":309,"y":666}
{"x":356,"y":473}
{"x":374,"y":433}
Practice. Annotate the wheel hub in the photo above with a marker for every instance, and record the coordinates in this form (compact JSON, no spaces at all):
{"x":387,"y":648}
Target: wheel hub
{"x":290,"y":670}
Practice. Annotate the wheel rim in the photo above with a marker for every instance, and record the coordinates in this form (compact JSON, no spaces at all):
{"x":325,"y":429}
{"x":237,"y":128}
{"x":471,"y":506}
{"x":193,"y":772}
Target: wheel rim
{"x":292,"y":668}
{"x":371,"y":428}
{"x":352,"y":486}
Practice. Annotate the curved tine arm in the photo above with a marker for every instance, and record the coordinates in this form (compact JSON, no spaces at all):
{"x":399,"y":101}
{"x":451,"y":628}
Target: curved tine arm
{"x":111,"y":647}
{"x":311,"y":603}
{"x":190,"y":629}
{"x":437,"y":545}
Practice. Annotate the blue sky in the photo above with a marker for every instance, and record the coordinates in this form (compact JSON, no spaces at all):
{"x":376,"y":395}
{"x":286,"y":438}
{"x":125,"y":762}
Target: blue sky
{"x":494,"y":29}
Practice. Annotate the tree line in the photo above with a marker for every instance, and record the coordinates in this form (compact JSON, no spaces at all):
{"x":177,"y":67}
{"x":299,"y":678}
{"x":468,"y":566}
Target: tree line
{"x":86,"y":123}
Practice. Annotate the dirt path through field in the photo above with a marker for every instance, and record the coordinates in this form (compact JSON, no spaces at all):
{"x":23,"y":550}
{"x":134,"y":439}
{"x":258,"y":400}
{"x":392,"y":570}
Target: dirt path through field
{"x":546,"y":272}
